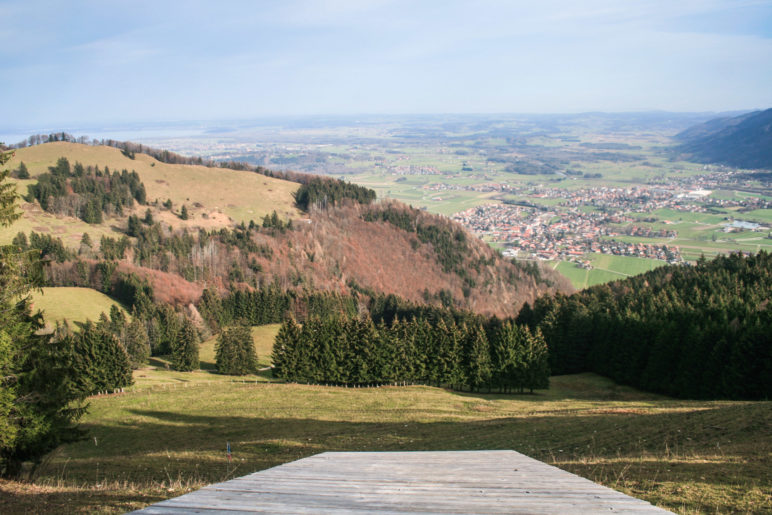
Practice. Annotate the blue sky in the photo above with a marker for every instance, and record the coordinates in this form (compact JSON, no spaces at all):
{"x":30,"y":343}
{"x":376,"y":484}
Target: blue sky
{"x":120,"y":61}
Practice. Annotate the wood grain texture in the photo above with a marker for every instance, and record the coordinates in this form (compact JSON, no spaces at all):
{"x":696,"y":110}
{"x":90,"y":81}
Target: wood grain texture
{"x":407,"y":482}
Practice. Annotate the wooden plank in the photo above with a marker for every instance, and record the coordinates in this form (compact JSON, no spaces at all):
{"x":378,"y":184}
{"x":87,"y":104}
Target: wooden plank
{"x":407,"y":482}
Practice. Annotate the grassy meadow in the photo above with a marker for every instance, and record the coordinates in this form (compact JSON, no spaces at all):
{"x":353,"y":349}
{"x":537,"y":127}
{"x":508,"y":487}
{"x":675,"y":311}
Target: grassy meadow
{"x":72,"y":304}
{"x":605,"y":268}
{"x":167,"y":435}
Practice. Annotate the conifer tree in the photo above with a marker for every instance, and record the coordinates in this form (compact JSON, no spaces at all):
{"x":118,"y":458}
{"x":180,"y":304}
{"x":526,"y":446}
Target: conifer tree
{"x":508,"y":357}
{"x":135,"y":341}
{"x":185,"y":348}
{"x":537,"y":371}
{"x":99,"y":360}
{"x":365,"y":367}
{"x":38,"y":408}
{"x":478,"y":359}
{"x":22,"y":172}
{"x":285,"y":357}
{"x":235,"y":353}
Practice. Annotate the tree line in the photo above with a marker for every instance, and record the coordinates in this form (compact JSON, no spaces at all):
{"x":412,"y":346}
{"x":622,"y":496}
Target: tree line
{"x":702,"y":331}
{"x":350,"y":350}
{"x":324,"y":192}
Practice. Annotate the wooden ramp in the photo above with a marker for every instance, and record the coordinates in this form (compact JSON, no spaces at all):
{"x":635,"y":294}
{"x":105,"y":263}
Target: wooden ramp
{"x":407,"y":482}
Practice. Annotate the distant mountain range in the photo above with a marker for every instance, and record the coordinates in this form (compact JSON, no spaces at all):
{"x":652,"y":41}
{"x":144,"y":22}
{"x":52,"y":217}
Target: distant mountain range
{"x":743,"y":141}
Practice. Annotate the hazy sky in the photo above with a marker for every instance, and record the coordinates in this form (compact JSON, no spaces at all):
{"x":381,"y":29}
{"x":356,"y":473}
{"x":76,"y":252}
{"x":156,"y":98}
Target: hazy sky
{"x":115,"y":61}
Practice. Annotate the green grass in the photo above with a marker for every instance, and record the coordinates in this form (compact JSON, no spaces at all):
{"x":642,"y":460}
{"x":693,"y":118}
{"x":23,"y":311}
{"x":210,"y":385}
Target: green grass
{"x":624,"y":265}
{"x":582,"y":278}
{"x":759,"y":215}
{"x":606,"y":268}
{"x":263,"y":337}
{"x":72,"y":304}
{"x":163,"y":438}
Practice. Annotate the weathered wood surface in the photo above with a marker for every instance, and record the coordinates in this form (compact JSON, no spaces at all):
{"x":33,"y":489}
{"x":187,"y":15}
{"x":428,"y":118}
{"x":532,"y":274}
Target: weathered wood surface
{"x":407,"y":482}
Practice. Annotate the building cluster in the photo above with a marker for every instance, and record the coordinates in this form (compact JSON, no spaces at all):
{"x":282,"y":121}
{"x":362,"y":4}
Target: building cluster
{"x":412,"y":170}
{"x":565,"y":235}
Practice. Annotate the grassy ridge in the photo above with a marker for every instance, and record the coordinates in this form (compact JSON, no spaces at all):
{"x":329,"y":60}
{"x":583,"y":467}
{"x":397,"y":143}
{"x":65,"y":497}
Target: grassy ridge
{"x":161,"y":440}
{"x":240,"y":195}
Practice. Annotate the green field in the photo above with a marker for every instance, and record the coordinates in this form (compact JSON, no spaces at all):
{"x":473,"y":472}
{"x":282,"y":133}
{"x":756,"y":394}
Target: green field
{"x":606,"y":268}
{"x":167,"y":435}
{"x":72,"y":304}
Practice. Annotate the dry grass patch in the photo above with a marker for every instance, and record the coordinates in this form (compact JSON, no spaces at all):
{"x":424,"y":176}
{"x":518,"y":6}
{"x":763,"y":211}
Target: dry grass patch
{"x":239,"y":195}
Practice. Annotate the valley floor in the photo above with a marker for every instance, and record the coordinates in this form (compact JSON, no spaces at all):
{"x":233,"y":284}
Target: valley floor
{"x":167,"y":435}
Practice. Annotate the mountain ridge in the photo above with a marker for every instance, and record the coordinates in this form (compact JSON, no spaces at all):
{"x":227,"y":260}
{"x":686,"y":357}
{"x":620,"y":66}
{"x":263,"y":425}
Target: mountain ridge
{"x":743,"y":141}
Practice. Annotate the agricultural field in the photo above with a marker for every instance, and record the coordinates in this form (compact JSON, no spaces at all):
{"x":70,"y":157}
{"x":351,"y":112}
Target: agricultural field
{"x":605,"y":268}
{"x":167,"y":435}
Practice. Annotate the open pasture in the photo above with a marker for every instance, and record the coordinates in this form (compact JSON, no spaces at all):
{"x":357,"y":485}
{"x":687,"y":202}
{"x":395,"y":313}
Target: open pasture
{"x":72,"y":304}
{"x":166,"y":437}
{"x":605,"y":268}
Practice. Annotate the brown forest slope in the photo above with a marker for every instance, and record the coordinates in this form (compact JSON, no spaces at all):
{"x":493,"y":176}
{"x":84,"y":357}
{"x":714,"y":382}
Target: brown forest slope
{"x":338,"y":249}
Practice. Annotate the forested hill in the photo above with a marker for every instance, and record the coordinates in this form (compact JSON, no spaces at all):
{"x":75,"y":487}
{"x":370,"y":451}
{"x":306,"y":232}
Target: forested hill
{"x":701,"y":331}
{"x":183,"y":228}
{"x":744,"y":141}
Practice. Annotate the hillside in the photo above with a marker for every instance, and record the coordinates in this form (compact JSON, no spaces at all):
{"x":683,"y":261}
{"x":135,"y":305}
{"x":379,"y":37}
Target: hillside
{"x":744,"y":141}
{"x":702,"y":331}
{"x":213,"y":195}
{"x":344,"y":248}
{"x":71,"y":304}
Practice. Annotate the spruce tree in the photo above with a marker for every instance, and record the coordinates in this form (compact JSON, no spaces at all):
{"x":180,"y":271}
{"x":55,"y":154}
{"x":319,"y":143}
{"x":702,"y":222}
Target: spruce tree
{"x":537,"y":370}
{"x":478,"y":359}
{"x":22,"y":172}
{"x":99,"y":360}
{"x":38,"y":408}
{"x":365,"y":367}
{"x":185,"y":348}
{"x":135,"y":341}
{"x":235,"y":353}
{"x":286,"y":350}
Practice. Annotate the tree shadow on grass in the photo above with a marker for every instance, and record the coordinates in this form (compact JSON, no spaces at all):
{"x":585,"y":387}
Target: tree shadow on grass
{"x":162,"y":447}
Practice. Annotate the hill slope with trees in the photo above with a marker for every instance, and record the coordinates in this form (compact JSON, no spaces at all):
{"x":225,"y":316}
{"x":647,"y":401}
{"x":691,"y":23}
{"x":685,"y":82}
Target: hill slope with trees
{"x":303,"y":233}
{"x":744,"y":141}
{"x":701,"y":331}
